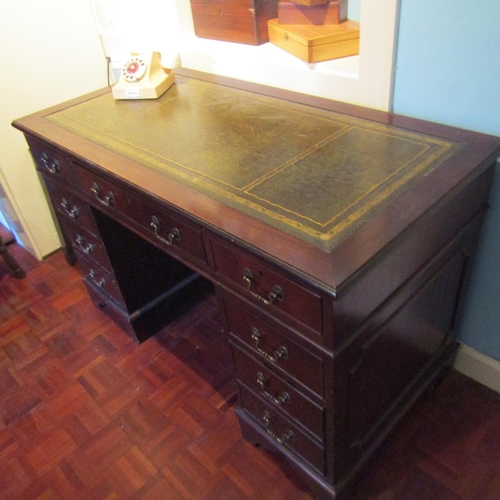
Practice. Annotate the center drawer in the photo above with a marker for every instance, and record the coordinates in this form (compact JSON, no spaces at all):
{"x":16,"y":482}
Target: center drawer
{"x":157,"y":224}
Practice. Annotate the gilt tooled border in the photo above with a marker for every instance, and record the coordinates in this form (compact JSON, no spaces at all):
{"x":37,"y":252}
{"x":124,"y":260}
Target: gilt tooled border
{"x":358,"y":211}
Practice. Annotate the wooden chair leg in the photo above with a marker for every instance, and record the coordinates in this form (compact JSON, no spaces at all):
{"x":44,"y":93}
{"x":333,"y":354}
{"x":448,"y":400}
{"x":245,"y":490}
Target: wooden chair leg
{"x":12,"y":264}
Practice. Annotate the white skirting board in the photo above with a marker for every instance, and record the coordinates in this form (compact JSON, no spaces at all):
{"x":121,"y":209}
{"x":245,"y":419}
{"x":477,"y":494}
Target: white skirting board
{"x":479,"y":367}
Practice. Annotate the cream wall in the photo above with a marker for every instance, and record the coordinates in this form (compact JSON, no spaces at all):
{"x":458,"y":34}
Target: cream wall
{"x":50,"y":52}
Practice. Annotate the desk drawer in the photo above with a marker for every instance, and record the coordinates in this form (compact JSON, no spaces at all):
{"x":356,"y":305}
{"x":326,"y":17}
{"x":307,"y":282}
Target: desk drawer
{"x":50,"y":162}
{"x":277,"y":392}
{"x":85,"y":242}
{"x":283,"y":430}
{"x":157,"y":225}
{"x":114,"y":312}
{"x":100,"y":279}
{"x":268,"y":288}
{"x":71,"y":206}
{"x":107,"y":194}
{"x":274,"y":347}
{"x":171,"y":232}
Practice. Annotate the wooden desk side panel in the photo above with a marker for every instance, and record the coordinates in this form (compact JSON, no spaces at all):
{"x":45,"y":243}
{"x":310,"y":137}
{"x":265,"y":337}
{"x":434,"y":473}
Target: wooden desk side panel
{"x":397,"y":349}
{"x":417,"y":246}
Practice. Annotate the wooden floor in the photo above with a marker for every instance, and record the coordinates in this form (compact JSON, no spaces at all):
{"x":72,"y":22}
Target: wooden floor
{"x":86,"y":413}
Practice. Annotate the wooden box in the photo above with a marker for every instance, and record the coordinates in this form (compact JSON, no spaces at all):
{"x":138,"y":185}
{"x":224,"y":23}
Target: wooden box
{"x":334,"y":12}
{"x":312,"y":43}
{"x":241,"y":21}
{"x":310,"y":3}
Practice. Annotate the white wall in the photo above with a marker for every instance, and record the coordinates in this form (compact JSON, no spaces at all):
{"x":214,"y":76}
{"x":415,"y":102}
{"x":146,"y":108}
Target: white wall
{"x":49,"y":52}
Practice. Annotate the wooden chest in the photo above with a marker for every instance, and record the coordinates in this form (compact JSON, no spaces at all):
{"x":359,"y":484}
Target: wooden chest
{"x":312,"y":43}
{"x":334,"y":12}
{"x":241,"y":21}
{"x":310,"y":3}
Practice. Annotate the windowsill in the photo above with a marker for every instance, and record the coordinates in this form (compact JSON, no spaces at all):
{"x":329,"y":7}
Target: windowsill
{"x":240,"y":60}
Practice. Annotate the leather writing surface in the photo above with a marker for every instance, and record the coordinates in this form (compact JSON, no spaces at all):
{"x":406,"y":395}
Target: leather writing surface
{"x":313,"y":173}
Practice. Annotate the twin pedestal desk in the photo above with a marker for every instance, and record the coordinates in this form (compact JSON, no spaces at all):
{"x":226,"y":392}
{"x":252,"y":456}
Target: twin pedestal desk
{"x":338,"y":241}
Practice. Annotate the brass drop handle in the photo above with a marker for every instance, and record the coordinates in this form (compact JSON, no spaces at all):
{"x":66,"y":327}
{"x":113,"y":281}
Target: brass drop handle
{"x":108,"y":200}
{"x":267,"y":424}
{"x":283,"y":398}
{"x":276,"y":294}
{"x":73,"y":212}
{"x":53,"y":167}
{"x":280,"y":353}
{"x":101,"y":283}
{"x":173,"y":236}
{"x":86,"y":249}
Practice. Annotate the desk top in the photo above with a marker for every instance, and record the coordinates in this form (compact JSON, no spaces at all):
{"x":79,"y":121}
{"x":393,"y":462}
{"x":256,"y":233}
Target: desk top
{"x":318,"y":175}
{"x":321,"y":176}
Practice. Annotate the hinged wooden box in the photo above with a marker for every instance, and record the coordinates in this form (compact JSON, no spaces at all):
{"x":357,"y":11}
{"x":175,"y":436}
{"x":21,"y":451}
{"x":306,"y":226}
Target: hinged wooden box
{"x":312,"y":43}
{"x":241,"y":21}
{"x":333,"y":12}
{"x":310,"y":3}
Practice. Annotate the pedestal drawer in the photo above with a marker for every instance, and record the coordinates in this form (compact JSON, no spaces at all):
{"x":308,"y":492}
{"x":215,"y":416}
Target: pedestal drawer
{"x":50,"y":162}
{"x":267,"y":287}
{"x":100,"y":279}
{"x":275,"y":347}
{"x":71,"y":206}
{"x":85,"y":242}
{"x":282,"y":430}
{"x":277,"y":392}
{"x":116,"y":313}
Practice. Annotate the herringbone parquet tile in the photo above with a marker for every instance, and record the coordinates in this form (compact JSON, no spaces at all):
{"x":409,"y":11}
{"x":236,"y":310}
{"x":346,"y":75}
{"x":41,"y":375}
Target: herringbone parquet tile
{"x":85,"y":413}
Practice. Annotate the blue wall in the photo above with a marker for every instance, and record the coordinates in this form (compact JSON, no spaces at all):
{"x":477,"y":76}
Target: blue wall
{"x":353,"y":9}
{"x":448,"y":71}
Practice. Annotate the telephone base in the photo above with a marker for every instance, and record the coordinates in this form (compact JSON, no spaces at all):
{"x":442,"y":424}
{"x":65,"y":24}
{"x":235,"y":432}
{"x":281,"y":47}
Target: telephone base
{"x":147,"y":90}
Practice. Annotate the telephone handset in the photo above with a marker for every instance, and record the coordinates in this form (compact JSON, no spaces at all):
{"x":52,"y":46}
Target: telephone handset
{"x":143,"y":77}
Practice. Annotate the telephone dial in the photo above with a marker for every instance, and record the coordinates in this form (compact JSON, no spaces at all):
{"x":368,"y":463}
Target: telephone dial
{"x":143,"y":77}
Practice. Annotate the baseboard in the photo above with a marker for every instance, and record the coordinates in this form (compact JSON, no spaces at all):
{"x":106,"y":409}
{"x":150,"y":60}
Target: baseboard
{"x":479,"y":367}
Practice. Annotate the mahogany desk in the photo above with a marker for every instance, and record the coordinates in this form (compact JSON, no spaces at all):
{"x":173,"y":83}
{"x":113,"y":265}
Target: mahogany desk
{"x":338,"y":240}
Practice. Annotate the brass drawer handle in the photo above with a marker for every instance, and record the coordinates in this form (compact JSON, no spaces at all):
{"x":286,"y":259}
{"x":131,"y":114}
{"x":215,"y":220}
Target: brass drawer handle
{"x":101,"y":283}
{"x":280,"y":353}
{"x":267,"y":424}
{"x":276,"y":294}
{"x":73,"y":212}
{"x":53,"y":167}
{"x":86,"y":249}
{"x":173,"y":236}
{"x":108,"y":200}
{"x":283,"y":398}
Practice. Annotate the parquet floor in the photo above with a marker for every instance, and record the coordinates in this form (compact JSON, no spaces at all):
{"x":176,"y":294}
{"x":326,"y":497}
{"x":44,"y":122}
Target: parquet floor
{"x":85,"y":413}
